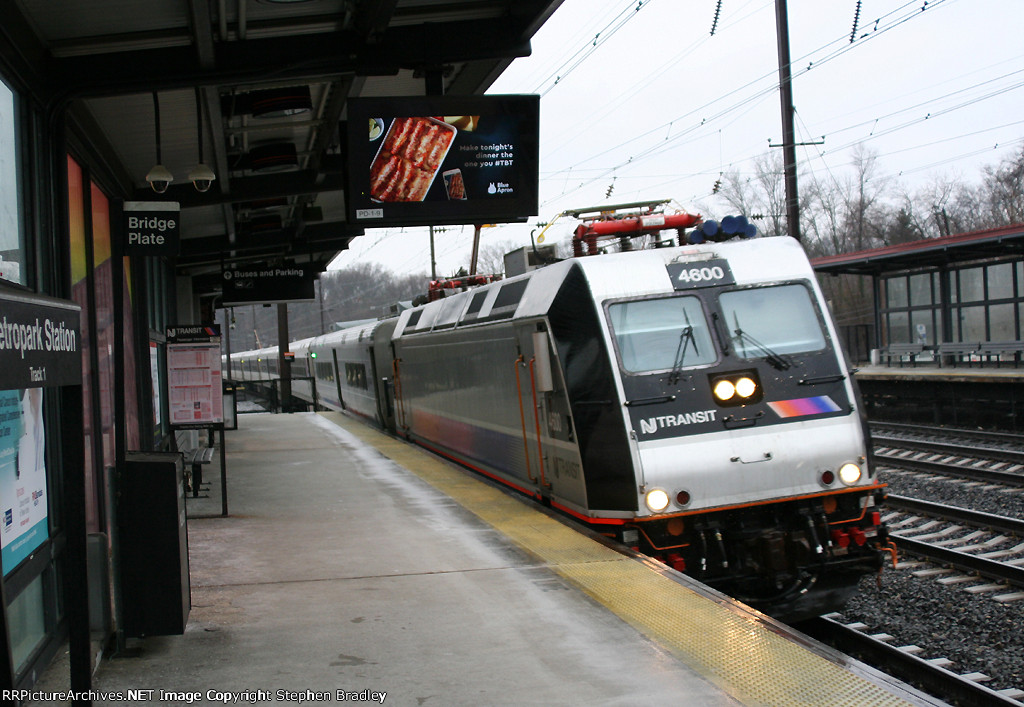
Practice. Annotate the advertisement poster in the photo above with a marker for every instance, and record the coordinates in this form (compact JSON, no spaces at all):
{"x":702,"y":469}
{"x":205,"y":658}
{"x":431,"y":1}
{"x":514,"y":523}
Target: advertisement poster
{"x":443,"y":159}
{"x":22,"y":475}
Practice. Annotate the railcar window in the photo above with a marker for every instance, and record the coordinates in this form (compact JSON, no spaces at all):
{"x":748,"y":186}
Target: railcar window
{"x":475,"y":305}
{"x":355,"y":375}
{"x":661,"y":334}
{"x":779,"y":319}
{"x":510,"y":294}
{"x":325,"y":371}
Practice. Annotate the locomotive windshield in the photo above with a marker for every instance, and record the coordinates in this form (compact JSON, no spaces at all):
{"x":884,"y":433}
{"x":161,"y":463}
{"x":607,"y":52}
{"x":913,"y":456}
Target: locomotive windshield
{"x":771,"y":321}
{"x":661,"y":334}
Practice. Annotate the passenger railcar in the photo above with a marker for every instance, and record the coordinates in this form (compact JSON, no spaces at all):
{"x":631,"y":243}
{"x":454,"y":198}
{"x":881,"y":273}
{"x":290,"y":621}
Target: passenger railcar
{"x":692,"y":402}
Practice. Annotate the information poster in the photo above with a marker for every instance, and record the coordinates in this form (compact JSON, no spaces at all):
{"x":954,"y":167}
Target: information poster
{"x":154,"y":371}
{"x":23,"y":527}
{"x":194,"y":376}
{"x":38,"y":349}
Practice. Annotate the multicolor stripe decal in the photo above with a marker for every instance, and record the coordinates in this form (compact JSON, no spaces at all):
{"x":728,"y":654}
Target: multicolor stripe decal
{"x":801,"y":407}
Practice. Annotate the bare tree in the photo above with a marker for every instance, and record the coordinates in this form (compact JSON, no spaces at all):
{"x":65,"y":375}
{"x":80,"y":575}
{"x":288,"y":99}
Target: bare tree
{"x":491,"y":260}
{"x":761,"y":196}
{"x":823,"y":211}
{"x":865,"y":212}
{"x":1004,"y":188}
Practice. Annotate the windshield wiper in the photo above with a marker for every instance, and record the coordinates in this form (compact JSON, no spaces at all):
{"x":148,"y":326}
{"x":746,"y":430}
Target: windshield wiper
{"x":686,"y":338}
{"x":776,"y":360}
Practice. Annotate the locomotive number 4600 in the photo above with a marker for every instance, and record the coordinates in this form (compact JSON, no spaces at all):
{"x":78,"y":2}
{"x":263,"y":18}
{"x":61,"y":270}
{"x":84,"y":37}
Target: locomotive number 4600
{"x":711,"y":272}
{"x":699,"y":274}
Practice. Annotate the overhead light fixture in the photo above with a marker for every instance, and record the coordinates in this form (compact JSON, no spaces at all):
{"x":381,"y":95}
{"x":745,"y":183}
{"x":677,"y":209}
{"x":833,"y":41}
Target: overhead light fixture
{"x":280,"y":102}
{"x":273,"y":157}
{"x":159,"y":177}
{"x":201,"y":176}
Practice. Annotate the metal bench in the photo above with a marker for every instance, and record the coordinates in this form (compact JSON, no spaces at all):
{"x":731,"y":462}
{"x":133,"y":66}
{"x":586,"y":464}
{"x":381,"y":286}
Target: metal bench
{"x":987,"y":349}
{"x":957,"y":350}
{"x":195,"y":458}
{"x":901,"y":351}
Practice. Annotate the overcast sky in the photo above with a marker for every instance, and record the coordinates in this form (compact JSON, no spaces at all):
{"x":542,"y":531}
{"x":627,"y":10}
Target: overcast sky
{"x":641,"y":98}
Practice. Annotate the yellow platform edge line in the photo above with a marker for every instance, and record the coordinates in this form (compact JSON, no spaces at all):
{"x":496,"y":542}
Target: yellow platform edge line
{"x":742,"y":655}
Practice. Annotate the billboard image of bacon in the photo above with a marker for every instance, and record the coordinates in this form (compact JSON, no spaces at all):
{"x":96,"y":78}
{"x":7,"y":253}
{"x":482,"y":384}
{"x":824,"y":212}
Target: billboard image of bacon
{"x":409,"y":158}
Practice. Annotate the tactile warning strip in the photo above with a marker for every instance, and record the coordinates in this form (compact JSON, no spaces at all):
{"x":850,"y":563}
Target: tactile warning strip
{"x":736,"y":651}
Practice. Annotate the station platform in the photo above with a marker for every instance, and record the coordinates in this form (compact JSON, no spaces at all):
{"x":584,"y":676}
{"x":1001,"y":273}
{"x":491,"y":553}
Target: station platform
{"x":355,"y":567}
{"x":929,"y":371}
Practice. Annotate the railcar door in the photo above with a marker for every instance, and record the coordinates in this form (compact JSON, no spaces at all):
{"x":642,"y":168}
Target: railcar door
{"x":548,"y":436}
{"x":382,"y":354}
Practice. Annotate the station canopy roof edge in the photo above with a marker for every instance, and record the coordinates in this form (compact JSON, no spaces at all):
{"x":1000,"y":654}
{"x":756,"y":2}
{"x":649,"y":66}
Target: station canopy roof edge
{"x":257,"y":90}
{"x":926,"y":253}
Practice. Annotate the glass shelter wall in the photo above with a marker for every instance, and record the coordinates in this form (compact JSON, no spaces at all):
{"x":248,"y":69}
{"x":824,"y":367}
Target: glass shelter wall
{"x":985,"y":304}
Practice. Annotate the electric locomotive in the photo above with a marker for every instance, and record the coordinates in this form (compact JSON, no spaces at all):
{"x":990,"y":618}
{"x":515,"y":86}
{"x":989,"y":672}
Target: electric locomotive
{"x":691,"y":402}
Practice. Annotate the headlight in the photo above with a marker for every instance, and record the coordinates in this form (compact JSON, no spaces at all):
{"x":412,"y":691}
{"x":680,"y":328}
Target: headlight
{"x":736,"y":389}
{"x":724,"y":389}
{"x":745,"y":387}
{"x":657,"y":500}
{"x":849,"y":474}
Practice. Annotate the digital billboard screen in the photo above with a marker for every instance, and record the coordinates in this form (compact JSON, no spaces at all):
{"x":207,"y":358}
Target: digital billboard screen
{"x":430,"y":160}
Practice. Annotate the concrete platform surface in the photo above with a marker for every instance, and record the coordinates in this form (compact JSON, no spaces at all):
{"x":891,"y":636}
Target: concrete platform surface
{"x":341,"y":576}
{"x":338,"y":571}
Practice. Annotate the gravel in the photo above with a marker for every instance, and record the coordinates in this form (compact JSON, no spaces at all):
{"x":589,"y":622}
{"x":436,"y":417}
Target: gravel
{"x":974,"y":631}
{"x":1003,"y":502}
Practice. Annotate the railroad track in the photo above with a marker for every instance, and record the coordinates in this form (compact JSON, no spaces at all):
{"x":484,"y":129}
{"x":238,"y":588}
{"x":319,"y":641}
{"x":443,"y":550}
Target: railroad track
{"x":978,"y":558}
{"x":963,"y":459}
{"x":981,"y":438}
{"x":971,"y":542}
{"x":931,"y":675}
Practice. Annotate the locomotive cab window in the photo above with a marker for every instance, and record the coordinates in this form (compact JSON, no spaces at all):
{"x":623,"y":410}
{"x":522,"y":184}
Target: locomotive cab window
{"x":771,"y":320}
{"x":661,"y":334}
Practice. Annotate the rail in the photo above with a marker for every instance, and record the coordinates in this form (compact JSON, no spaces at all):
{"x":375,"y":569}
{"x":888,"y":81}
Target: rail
{"x":931,"y":677}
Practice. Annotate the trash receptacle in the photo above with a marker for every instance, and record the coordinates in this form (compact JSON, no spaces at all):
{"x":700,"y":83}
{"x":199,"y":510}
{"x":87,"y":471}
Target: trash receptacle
{"x":155,"y":586}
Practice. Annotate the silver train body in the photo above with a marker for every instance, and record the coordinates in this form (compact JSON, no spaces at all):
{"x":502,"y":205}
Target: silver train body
{"x":690,"y":402}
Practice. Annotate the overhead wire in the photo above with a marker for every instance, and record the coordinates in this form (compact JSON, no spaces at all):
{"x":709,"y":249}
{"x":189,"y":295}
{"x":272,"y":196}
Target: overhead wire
{"x":661,"y":147}
{"x":600,"y":38}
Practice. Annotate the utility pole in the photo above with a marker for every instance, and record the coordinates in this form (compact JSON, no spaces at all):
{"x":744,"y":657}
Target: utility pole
{"x":788,"y":132}
{"x":433,"y":261}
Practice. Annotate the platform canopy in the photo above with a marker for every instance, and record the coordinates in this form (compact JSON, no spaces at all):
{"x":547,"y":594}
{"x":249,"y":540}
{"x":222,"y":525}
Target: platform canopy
{"x":929,"y":252}
{"x":262,"y":86}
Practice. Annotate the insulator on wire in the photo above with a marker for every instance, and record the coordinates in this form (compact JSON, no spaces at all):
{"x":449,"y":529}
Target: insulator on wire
{"x":856,"y":21}
{"x":714,"y":22}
